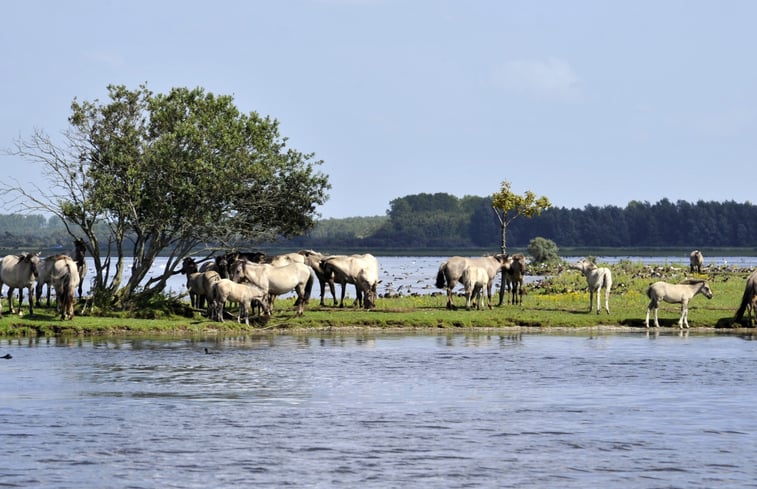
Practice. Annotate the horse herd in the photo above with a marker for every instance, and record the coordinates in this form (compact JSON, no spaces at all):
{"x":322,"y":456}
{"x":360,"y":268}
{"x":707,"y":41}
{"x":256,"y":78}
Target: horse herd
{"x":254,"y":280}
{"x":61,"y":272}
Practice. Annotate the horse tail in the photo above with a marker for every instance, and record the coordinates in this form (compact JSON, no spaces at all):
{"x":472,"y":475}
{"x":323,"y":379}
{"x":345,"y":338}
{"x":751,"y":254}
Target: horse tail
{"x":649,"y":291}
{"x":745,"y":300}
{"x":308,"y":287}
{"x":441,"y":276}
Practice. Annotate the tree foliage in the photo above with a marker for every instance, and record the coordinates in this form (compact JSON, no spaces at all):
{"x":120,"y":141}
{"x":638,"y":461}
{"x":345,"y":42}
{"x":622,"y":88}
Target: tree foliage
{"x":170,"y":172}
{"x":508,"y":206}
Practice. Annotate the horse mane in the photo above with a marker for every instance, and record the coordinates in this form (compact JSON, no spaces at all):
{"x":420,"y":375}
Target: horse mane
{"x":693,"y":281}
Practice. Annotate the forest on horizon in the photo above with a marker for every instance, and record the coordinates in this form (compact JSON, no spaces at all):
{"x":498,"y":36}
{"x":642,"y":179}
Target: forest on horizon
{"x":443,"y":221}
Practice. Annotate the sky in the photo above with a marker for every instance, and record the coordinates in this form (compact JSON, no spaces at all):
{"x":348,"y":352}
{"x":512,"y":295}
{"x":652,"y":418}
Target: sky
{"x":586,"y":102}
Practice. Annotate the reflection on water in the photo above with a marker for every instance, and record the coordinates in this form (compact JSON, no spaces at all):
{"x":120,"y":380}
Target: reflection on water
{"x":450,"y":410}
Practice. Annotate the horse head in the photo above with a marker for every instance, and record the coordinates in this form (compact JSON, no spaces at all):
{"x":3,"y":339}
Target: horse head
{"x":188,"y":266}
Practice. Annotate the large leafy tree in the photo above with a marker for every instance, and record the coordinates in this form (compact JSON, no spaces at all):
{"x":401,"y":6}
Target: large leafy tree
{"x":168,"y":173}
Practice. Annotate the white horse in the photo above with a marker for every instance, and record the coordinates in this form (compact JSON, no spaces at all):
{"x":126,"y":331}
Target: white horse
{"x":65,"y":280}
{"x":695,"y":261}
{"x":245,"y":294}
{"x":360,"y":270}
{"x":596,"y":278}
{"x":675,"y":294}
{"x":277,"y":280}
{"x":19,"y":271}
{"x":451,"y":270}
{"x":749,"y":299}
{"x":474,"y":279}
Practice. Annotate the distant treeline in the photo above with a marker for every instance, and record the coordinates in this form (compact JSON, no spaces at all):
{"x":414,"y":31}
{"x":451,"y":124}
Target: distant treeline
{"x":447,"y":222}
{"x":443,"y":221}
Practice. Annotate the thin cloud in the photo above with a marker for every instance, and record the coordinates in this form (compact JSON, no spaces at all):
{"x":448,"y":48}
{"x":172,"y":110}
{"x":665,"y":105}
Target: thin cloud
{"x":549,"y":79}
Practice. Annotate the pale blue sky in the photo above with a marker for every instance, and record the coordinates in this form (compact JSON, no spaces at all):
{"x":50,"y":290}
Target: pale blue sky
{"x":586,"y":102}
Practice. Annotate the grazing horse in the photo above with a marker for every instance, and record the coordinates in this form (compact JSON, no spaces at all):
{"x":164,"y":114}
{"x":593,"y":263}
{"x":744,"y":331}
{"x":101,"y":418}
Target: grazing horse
{"x":596,"y":278}
{"x":277,"y":280}
{"x":695,"y":261}
{"x":451,"y":270}
{"x":360,"y":270}
{"x":313,"y":259}
{"x":474,"y":279}
{"x":245,"y":294}
{"x":749,"y":299}
{"x":65,"y":280}
{"x":19,"y":271}
{"x":675,"y":294}
{"x":514,"y":272}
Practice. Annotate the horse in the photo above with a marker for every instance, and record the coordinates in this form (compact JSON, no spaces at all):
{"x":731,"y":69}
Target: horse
{"x":359,"y":270}
{"x":675,"y":294}
{"x":245,"y":294}
{"x":44,"y":273}
{"x":219,"y":265}
{"x":277,"y":280}
{"x":451,"y":270}
{"x":749,"y":299}
{"x":474,"y":279}
{"x":695,"y":261}
{"x":596,"y":278}
{"x":19,"y":271}
{"x":65,"y":280}
{"x":199,"y":284}
{"x":285,"y":259}
{"x":514,"y":273}
{"x":80,"y":252}
{"x":313,"y":260}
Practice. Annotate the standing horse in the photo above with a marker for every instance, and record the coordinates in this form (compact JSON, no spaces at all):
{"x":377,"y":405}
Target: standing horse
{"x":513,"y":275}
{"x":451,"y":270}
{"x":65,"y":280}
{"x":749,"y":299}
{"x":277,"y":280}
{"x":245,"y":294}
{"x":596,"y":278}
{"x":474,"y":279}
{"x":675,"y":294}
{"x":199,"y":284}
{"x":313,"y":259}
{"x":19,"y":271}
{"x":45,"y":271}
{"x":695,"y":261}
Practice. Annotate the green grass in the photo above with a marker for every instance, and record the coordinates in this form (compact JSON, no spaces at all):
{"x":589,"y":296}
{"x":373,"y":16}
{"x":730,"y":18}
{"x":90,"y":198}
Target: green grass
{"x":559,"y":302}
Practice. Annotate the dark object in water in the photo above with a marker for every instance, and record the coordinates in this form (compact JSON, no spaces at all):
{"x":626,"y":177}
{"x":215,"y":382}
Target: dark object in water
{"x":7,"y":356}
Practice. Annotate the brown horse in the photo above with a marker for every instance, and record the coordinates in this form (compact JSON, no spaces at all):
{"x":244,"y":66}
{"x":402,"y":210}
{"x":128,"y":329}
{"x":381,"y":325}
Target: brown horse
{"x":695,"y":261}
{"x":313,"y":259}
{"x":514,"y":273}
{"x":19,"y":271}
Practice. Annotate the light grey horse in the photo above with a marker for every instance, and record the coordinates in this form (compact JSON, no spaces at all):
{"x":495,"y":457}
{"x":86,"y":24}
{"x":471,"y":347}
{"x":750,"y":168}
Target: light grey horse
{"x":65,"y":279}
{"x":675,"y":294}
{"x":695,"y":261}
{"x":596,"y":278}
{"x":749,"y":299}
{"x":474,"y":279}
{"x":451,"y":270}
{"x":276,"y":280}
{"x":19,"y":271}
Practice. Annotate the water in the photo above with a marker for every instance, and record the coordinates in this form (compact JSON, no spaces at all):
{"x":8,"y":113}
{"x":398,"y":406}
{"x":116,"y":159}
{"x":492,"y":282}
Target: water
{"x":344,"y":411}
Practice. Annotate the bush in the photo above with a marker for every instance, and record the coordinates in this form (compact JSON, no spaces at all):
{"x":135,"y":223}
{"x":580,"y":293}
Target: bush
{"x":543,"y":250}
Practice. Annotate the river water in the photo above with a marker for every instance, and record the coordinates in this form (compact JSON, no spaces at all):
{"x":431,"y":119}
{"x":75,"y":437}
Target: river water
{"x":381,"y":411}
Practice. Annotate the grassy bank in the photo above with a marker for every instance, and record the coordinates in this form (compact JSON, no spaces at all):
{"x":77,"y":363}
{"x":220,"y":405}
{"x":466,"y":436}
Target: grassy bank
{"x":558,"y":302}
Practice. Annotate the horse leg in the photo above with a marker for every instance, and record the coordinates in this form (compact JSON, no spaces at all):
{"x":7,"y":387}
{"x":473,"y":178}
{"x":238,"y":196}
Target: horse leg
{"x":21,"y":298}
{"x":10,"y":300}
{"x":684,"y":315}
